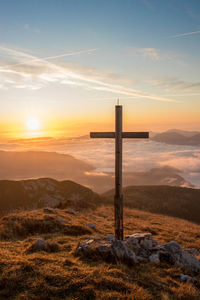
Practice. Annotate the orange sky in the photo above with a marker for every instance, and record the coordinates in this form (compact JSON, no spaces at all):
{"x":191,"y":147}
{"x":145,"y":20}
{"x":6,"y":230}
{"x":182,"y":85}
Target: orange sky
{"x":66,"y":65}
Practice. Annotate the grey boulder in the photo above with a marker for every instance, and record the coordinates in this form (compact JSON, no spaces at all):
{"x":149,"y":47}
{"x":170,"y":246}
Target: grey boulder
{"x":123,"y":253}
{"x":112,"y":251}
{"x":173,"y":254}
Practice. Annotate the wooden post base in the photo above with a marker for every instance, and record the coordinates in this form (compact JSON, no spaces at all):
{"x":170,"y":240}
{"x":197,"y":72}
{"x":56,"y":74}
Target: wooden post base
{"x":118,"y":204}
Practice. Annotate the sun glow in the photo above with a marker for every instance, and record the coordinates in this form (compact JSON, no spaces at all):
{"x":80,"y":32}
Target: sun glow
{"x":33,"y":124}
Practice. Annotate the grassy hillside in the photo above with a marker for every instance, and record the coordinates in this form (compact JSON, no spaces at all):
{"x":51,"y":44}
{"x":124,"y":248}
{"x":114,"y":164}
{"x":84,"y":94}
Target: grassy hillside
{"x":58,"y":274}
{"x":35,"y":193}
{"x":168,"y":200}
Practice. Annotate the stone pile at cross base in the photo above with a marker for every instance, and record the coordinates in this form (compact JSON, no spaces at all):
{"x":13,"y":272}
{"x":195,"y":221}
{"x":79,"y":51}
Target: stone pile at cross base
{"x":136,"y":248}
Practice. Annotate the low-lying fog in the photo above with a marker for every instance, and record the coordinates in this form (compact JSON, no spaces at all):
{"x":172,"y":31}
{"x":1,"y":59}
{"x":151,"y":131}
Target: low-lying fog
{"x":138,"y":156}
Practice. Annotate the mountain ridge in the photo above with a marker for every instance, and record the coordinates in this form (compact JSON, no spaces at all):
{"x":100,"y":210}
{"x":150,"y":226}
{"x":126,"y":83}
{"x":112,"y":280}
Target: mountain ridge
{"x":175,"y":137}
{"x":37,"y":193}
{"x":173,"y":201}
{"x":46,"y":192}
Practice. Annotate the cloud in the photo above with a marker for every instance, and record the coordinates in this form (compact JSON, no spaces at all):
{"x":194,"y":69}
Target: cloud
{"x":99,"y":174}
{"x":137,"y":156}
{"x":175,"y":84}
{"x":53,"y":57}
{"x":185,"y":34}
{"x":28,"y":71}
{"x":152,"y":53}
{"x":188,"y":161}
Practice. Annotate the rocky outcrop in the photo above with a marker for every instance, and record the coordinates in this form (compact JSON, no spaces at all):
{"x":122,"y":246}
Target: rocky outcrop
{"x":138,"y":247}
{"x":111,"y":250}
{"x":173,"y":254}
{"x":122,"y":253}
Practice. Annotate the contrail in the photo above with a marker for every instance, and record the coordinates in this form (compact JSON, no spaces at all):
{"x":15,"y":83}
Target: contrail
{"x":83,"y":80}
{"x":185,"y":34}
{"x":52,"y":57}
{"x":70,"y":54}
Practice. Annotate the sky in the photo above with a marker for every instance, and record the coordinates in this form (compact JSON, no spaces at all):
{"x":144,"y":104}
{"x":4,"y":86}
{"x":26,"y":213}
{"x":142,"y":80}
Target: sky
{"x":64,"y":64}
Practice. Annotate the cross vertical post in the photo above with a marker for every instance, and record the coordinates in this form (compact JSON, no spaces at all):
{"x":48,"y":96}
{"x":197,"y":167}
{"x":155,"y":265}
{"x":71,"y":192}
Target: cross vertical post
{"x":118,"y":135}
{"x":118,"y":198}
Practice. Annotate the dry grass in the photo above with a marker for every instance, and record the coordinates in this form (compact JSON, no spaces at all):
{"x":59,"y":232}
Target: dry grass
{"x":61,"y":275}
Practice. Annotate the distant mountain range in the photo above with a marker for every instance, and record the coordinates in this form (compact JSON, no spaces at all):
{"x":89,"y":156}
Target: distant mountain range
{"x":35,"y":164}
{"x":178,"y":137}
{"x":186,"y":133}
{"x":155,"y":176}
{"x":31,"y":194}
{"x":167,"y":200}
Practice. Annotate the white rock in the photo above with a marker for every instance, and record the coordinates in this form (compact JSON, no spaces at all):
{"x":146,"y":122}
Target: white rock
{"x":141,"y":236}
{"x":141,"y":244}
{"x":83,"y":249}
{"x":90,"y":241}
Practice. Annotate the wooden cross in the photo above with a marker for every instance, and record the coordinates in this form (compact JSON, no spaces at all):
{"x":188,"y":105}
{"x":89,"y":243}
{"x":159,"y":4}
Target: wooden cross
{"x":118,"y":135}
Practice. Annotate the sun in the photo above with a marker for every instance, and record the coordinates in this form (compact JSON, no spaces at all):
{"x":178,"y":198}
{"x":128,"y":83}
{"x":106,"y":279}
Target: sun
{"x":33,"y":123}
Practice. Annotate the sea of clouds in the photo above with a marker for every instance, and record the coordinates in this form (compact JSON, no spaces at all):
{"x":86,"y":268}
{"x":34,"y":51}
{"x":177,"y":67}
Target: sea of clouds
{"x":141,"y":156}
{"x":137,"y":155}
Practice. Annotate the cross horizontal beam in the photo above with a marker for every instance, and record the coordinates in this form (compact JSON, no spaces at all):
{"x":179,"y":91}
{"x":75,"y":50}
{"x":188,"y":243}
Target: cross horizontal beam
{"x":135,"y":135}
{"x":104,"y":135}
{"x":126,"y":135}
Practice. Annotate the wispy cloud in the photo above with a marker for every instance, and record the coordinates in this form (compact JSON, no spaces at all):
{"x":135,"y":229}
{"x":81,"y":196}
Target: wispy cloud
{"x":152,"y":53}
{"x":32,"y":72}
{"x":48,"y":57}
{"x":175,"y":84}
{"x":185,"y":34}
